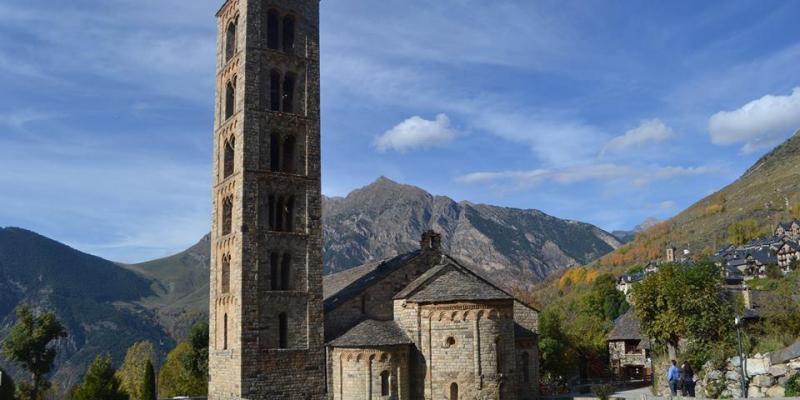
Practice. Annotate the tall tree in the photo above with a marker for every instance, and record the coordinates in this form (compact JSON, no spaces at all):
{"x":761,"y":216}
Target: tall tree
{"x":6,"y":386}
{"x":132,"y":371}
{"x":29,"y":345}
{"x":684,"y":302}
{"x":174,"y":379}
{"x":148,"y":386}
{"x":100,"y":382}
{"x":196,"y":361}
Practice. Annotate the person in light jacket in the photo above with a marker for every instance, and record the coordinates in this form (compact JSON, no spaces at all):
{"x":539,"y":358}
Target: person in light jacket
{"x":673,"y":377}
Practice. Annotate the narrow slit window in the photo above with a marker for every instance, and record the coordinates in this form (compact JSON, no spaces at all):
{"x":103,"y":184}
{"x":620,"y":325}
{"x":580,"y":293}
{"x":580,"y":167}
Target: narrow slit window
{"x":225,"y":332}
{"x":226,"y":274}
{"x":288,"y":225}
{"x":283,"y":331}
{"x":281,"y":214}
{"x":274,"y":271}
{"x":230,"y":98}
{"x":385,"y":383}
{"x":272,"y":212}
{"x":230,"y":151}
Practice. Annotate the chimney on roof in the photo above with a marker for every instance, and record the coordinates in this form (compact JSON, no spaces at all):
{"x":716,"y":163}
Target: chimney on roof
{"x":431,"y":241}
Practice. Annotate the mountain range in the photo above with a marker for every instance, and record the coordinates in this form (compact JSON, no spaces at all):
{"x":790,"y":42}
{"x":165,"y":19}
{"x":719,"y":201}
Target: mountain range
{"x":108,"y":306}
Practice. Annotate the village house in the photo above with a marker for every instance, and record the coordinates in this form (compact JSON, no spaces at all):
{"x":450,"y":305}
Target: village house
{"x":629,"y":350}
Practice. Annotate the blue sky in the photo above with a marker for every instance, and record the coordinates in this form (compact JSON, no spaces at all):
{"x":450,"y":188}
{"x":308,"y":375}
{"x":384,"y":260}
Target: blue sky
{"x":602,"y":111}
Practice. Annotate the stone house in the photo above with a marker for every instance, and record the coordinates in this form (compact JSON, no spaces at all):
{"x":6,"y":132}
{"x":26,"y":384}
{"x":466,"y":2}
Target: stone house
{"x":790,"y":229}
{"x":422,"y":325}
{"x":789,"y":252}
{"x":628,"y":350}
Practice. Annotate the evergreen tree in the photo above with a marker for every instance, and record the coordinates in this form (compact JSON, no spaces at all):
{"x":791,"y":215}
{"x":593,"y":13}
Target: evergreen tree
{"x":29,"y":345}
{"x":174,"y":379}
{"x":148,"y":390}
{"x":6,"y":386}
{"x":100,"y":382}
{"x":196,"y":361}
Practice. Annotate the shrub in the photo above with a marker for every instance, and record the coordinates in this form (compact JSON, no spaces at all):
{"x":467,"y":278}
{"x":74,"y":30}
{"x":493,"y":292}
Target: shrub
{"x":603,"y":391}
{"x":715,"y":388}
{"x":793,"y":386}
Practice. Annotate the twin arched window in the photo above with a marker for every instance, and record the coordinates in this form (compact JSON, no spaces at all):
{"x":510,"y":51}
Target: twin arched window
{"x":277,"y":36}
{"x":281,"y":91}
{"x":281,"y":213}
{"x":282,"y":153}
{"x":280,"y":266}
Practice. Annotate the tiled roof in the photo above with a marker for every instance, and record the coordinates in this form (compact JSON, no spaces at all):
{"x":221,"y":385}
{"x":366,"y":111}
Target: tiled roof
{"x":451,"y":281}
{"x":343,"y":286}
{"x":370,"y":333}
{"x":626,"y":327}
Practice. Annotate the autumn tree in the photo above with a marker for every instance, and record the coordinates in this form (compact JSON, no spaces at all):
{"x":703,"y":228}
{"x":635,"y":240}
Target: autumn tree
{"x":684,"y":302}
{"x":174,"y":379}
{"x":131,"y":374}
{"x":796,"y":211}
{"x":29,"y":344}
{"x":743,"y":231}
{"x":100,"y":383}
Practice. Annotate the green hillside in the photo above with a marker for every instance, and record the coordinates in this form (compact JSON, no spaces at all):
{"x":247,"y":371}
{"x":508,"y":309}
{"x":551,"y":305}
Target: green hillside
{"x":94,"y":298}
{"x":765,"y":193}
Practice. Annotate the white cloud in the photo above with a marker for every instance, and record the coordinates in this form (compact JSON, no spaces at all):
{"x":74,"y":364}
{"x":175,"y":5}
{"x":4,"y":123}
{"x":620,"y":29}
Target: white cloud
{"x":596,"y":172}
{"x":416,"y":132}
{"x":760,"y":123}
{"x":20,"y":118}
{"x":667,"y":205}
{"x":648,"y":131}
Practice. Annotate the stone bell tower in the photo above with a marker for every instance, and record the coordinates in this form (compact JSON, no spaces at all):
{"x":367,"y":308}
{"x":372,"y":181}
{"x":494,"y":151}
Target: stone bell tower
{"x":266,"y":322}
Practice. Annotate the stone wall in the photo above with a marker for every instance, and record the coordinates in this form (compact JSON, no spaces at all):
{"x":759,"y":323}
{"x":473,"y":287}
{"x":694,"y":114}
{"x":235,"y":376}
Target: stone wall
{"x":764,"y":378}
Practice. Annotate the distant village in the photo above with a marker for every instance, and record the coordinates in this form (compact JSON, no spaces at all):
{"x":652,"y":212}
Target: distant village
{"x":779,"y":254}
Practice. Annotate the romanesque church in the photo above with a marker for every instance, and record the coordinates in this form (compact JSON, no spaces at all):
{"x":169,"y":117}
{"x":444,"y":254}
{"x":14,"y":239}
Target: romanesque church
{"x":417,"y":326}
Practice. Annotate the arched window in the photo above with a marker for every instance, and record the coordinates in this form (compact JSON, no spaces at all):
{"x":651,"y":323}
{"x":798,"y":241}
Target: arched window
{"x":230,"y":41}
{"x":226,"y":274}
{"x":280,"y":217}
{"x":286,"y":277}
{"x":272,"y":29}
{"x":272,"y":212}
{"x":230,"y":150}
{"x":225,"y":332}
{"x":449,"y":342}
{"x":283,"y":330}
{"x":526,"y":361}
{"x":230,"y":98}
{"x":274,"y":90}
{"x":227,"y":216}
{"x":288,"y":34}
{"x":274,"y":271}
{"x":288,"y":93}
{"x":288,"y":226}
{"x":274,"y":152}
{"x":453,"y":391}
{"x":385,"y":383}
{"x":288,"y":154}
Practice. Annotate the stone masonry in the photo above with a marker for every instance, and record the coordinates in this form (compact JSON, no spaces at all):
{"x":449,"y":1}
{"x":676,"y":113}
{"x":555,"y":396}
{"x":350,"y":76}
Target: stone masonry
{"x":266,"y":336}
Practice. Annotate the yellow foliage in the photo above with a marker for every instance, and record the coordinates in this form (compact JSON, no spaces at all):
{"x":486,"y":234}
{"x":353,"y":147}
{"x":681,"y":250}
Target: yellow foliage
{"x":577,"y":275}
{"x":714,"y":209}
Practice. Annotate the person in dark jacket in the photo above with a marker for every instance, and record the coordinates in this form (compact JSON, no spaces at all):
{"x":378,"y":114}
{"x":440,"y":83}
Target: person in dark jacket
{"x":687,"y":380}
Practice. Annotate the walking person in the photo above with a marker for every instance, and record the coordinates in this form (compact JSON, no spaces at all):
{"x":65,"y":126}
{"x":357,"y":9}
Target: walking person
{"x":687,"y":378}
{"x":673,"y":377}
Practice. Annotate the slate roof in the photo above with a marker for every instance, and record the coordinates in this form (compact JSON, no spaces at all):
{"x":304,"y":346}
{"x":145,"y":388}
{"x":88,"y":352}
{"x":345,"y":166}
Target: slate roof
{"x":451,"y":281}
{"x":371,"y":333}
{"x":343,"y":286}
{"x":626,"y":327}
